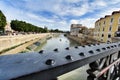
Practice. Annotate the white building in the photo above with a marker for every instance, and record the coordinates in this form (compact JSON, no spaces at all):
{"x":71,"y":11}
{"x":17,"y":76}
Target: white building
{"x":8,"y":29}
{"x":77,"y":29}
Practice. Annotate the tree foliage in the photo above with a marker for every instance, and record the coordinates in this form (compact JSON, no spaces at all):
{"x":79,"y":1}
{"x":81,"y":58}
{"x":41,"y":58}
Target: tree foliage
{"x":56,"y":31}
{"x":26,"y":27}
{"x":2,"y":21}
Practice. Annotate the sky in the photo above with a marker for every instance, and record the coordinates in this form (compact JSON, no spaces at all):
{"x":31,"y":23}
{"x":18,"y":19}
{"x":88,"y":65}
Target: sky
{"x":58,"y":14}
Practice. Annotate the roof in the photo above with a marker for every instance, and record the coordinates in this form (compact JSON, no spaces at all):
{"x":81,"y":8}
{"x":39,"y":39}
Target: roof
{"x":107,"y":16}
{"x":115,"y":12}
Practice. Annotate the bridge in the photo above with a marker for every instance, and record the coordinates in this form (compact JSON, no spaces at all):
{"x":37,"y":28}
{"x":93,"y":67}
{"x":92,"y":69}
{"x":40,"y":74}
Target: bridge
{"x":103,"y":60}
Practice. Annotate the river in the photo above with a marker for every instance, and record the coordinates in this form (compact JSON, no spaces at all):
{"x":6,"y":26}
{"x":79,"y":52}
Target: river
{"x":61,"y":42}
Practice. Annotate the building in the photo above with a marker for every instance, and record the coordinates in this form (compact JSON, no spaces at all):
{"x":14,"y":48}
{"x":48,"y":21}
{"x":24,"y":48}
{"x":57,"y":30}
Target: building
{"x":91,"y":31}
{"x":74,"y":29}
{"x":106,"y":27}
{"x":8,"y":29}
{"x":77,"y":29}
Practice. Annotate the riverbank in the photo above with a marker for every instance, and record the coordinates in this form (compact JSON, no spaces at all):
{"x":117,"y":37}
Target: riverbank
{"x":83,"y":40}
{"x":21,"y":42}
{"x":37,"y":46}
{"x":61,"y":42}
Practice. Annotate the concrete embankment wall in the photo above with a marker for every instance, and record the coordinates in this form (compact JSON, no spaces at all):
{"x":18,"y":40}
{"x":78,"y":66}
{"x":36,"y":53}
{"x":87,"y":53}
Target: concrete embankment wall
{"x":83,"y":40}
{"x":10,"y":41}
{"x":77,"y":39}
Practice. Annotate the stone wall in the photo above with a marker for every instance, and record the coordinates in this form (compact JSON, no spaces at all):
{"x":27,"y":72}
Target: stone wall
{"x":83,"y":39}
{"x":115,"y":39}
{"x":10,"y":41}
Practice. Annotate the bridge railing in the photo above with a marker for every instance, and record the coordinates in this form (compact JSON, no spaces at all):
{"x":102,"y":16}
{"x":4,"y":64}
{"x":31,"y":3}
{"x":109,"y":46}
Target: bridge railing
{"x":48,"y":65}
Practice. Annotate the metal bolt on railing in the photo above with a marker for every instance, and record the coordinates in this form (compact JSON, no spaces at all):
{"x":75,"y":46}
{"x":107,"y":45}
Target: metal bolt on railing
{"x":108,"y":47}
{"x":112,"y":46}
{"x":89,"y":45}
{"x":50,"y":62}
{"x":67,"y":48}
{"x":41,"y":51}
{"x":56,"y":50}
{"x":83,"y":46}
{"x":68,"y":57}
{"x":91,"y":52}
{"x":94,"y":44}
{"x":76,"y":47}
{"x":103,"y":48}
{"x":98,"y":50}
{"x":115,"y":45}
{"x":119,"y":45}
{"x":81,"y":54}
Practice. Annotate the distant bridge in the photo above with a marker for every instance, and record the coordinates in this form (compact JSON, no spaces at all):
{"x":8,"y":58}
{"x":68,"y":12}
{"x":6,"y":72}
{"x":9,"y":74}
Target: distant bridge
{"x":103,"y":60}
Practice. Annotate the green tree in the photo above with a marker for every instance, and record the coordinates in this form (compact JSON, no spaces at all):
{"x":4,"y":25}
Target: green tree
{"x":56,"y":31}
{"x":2,"y":21}
{"x":26,"y":27}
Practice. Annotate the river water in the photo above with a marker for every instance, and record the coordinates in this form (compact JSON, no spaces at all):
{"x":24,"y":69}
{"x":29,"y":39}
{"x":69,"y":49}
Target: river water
{"x":61,"y":42}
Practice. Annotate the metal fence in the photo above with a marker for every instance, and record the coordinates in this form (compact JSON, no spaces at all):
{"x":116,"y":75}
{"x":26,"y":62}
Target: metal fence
{"x":48,"y":65}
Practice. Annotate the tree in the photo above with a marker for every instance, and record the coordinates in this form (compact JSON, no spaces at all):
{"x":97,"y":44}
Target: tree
{"x":56,"y":31}
{"x":45,"y":29}
{"x":26,"y":27}
{"x":2,"y":21}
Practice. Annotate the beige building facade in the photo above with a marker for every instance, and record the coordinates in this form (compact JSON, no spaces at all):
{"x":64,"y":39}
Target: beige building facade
{"x":106,"y":27}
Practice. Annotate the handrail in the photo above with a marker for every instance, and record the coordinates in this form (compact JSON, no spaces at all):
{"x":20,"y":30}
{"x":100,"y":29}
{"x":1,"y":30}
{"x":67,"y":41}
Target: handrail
{"x":47,"y":65}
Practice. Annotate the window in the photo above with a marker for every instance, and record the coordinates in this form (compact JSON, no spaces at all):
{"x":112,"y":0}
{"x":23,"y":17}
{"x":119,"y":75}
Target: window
{"x":110,"y":28}
{"x":99,"y":29}
{"x":104,"y":22}
{"x":109,"y":36}
{"x":101,"y":39}
{"x":103,"y":29}
{"x":119,"y":21}
{"x":111,"y":20}
{"x":102,"y":35}
{"x":119,"y":28}
{"x":99,"y":24}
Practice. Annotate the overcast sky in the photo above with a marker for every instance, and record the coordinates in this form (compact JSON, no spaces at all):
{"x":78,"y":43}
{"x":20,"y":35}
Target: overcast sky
{"x":58,"y":13}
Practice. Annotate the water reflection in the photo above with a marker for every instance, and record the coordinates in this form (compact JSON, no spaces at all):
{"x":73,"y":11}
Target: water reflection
{"x":59,"y":42}
{"x":78,"y":74}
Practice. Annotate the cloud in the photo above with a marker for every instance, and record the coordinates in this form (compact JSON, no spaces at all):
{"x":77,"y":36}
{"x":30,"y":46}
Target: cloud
{"x":98,"y":4}
{"x":73,"y":1}
{"x":58,"y":13}
{"x":107,"y":11}
{"x":112,"y":1}
{"x":75,"y":21}
{"x":39,"y":18}
{"x":88,"y":22}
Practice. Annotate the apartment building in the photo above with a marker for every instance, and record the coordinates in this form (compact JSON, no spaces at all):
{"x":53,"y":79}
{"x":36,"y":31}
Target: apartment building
{"x":106,"y":27}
